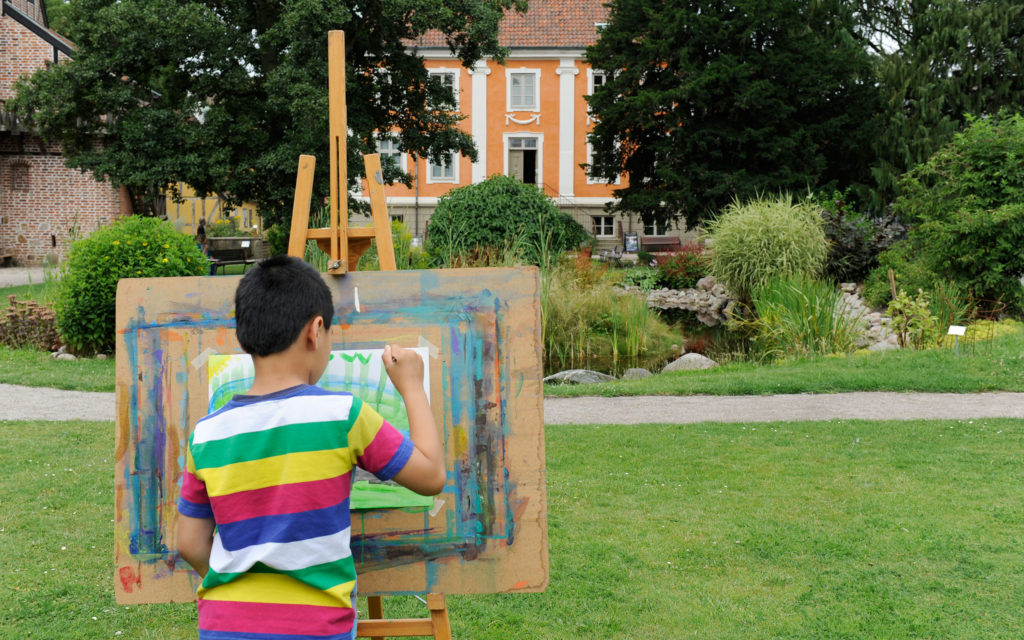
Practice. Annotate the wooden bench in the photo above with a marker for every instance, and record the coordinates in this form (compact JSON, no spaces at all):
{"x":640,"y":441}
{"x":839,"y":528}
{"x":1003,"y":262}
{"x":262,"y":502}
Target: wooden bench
{"x":223,"y":257}
{"x":660,"y":244}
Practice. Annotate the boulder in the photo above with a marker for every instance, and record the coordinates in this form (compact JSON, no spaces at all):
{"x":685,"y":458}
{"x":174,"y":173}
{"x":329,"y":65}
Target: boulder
{"x":690,"y":362}
{"x":66,"y":356}
{"x":883,"y":346}
{"x":578,"y":376}
{"x":636,"y":374}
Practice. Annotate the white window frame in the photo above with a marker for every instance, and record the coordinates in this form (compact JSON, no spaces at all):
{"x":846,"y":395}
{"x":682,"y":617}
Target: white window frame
{"x":536,"y":89}
{"x":593,"y":225}
{"x":453,"y":179}
{"x":454,"y":73}
{"x":590,"y":162}
{"x":540,"y":152}
{"x":402,"y":162}
{"x":590,"y":79}
{"x":661,"y":229}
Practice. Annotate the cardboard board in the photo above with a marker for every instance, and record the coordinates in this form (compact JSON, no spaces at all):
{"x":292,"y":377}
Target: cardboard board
{"x":481,"y":327}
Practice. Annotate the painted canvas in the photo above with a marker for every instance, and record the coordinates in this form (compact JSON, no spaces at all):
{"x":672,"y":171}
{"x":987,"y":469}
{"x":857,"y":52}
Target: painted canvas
{"x":357,"y":371}
{"x":479,"y":331}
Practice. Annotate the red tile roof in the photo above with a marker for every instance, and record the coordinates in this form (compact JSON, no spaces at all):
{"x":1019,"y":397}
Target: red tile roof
{"x":547,"y":23}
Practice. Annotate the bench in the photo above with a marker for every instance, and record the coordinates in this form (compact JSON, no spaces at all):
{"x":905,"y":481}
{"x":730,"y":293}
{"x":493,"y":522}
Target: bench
{"x":223,"y":257}
{"x":660,"y":244}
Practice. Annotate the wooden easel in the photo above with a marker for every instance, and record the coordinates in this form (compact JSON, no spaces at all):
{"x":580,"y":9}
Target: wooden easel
{"x":344,"y":246}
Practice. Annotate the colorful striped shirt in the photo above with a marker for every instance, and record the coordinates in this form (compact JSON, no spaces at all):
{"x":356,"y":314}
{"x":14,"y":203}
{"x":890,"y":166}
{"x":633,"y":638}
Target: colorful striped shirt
{"x":275,"y":473}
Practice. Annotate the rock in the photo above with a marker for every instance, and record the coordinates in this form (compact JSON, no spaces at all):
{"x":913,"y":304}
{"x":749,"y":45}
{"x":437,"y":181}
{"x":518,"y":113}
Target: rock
{"x":707,"y":283}
{"x":883,"y":346}
{"x":101,"y":356}
{"x":578,"y":376}
{"x":66,"y":356}
{"x":690,"y":362}
{"x":636,"y":374}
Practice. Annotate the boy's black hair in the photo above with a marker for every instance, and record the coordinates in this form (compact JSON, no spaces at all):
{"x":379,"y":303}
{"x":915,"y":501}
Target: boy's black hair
{"x":275,"y":300}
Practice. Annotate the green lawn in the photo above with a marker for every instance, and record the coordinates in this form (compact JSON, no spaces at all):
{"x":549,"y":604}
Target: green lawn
{"x":786,"y":530}
{"x":35,"y":368}
{"x":984,"y":366}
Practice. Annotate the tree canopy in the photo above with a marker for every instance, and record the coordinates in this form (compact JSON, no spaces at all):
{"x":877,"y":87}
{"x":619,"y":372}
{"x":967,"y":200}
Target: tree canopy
{"x":226,"y":94}
{"x":710,"y":101}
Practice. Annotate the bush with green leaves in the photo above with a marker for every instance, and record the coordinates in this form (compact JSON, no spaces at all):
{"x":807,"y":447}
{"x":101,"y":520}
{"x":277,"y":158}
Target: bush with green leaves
{"x":966,"y":204}
{"x":798,"y":317}
{"x":502,"y":217}
{"x":643,"y":278}
{"x":133,"y":247}
{"x":765,"y":239}
{"x":912,"y":320}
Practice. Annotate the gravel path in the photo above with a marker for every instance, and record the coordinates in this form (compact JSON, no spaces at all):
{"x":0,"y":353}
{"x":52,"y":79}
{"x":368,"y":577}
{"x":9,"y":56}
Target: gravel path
{"x":34,"y":403}
{"x":15,"y":276}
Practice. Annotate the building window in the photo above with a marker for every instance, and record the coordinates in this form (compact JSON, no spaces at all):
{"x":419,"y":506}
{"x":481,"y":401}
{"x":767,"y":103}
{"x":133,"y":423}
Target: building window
{"x":590,"y":163}
{"x":522,"y":90}
{"x":597,"y":80}
{"x":389,"y":152}
{"x":445,"y":171}
{"x":655,"y":228}
{"x":19,"y":177}
{"x":450,"y":79}
{"x":523,"y":161}
{"x":604,"y":226}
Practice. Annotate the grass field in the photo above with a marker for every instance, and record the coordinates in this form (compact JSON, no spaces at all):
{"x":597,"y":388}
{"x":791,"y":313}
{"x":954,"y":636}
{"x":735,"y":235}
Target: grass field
{"x":985,"y":366}
{"x":786,"y":530}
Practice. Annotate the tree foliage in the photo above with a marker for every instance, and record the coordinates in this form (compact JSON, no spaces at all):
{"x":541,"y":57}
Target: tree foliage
{"x":226,"y":94}
{"x":709,"y":102}
{"x":937,"y":61}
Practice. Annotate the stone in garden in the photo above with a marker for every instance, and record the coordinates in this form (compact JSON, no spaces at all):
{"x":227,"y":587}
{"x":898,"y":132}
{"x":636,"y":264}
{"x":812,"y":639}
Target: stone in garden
{"x":690,"y":362}
{"x":579,"y":376}
{"x":636,"y":374}
{"x":101,"y":356}
{"x":883,"y":346}
{"x":707,"y":283}
{"x":66,"y":356}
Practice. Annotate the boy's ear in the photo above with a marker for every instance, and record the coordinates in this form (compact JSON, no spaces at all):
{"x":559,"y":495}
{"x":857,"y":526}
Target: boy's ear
{"x":313,"y":330}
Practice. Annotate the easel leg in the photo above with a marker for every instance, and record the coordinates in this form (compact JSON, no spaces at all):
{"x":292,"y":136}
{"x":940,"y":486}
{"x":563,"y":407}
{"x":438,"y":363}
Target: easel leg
{"x":375,"y":606}
{"x":439,"y":616}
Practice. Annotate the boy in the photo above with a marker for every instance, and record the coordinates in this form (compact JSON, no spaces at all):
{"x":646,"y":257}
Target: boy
{"x":263,"y":513}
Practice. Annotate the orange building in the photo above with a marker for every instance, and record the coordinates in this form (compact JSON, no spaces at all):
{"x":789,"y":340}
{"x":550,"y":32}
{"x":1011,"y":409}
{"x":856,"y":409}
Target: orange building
{"x":528,"y":118}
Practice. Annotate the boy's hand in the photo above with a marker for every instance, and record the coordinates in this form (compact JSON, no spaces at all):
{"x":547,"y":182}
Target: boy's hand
{"x":404,"y":367}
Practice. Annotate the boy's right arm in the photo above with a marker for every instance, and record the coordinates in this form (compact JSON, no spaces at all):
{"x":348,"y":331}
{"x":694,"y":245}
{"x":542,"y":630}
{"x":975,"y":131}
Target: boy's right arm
{"x":424,"y":473}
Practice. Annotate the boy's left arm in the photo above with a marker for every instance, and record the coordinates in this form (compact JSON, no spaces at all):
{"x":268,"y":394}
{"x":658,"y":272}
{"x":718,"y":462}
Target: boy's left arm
{"x":195,"y":541}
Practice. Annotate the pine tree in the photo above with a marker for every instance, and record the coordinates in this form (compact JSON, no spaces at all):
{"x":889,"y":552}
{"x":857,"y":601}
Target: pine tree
{"x":710,"y":101}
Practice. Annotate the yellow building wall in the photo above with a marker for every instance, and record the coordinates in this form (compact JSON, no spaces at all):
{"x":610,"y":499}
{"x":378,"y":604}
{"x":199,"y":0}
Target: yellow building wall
{"x":185,"y":215}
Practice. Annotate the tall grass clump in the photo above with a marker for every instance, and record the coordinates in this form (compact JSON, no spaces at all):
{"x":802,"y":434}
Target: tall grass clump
{"x":801,"y":317}
{"x":588,"y":323}
{"x":765,"y":239}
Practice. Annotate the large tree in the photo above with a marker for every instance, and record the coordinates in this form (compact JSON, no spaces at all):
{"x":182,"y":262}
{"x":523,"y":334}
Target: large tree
{"x":709,"y":101}
{"x":939,"y":60}
{"x":226,"y":94}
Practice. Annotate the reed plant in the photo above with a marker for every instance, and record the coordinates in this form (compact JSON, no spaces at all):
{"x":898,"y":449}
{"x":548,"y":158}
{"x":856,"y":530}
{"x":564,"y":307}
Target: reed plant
{"x":801,"y":317}
{"x":588,"y":323}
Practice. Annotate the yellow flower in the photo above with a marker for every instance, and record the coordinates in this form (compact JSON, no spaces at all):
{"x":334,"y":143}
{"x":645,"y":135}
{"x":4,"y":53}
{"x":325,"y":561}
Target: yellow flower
{"x":116,"y":242}
{"x":127,"y":241}
{"x":167,"y":246}
{"x":145,"y":244}
{"x":165,"y":259}
{"x":139,"y":272}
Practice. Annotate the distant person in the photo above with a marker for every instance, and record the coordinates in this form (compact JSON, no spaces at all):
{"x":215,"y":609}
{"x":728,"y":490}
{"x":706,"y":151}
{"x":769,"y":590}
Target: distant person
{"x":264,"y":507}
{"x":201,"y":239}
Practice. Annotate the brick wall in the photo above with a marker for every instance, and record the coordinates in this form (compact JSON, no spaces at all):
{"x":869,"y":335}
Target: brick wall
{"x":44,"y":205}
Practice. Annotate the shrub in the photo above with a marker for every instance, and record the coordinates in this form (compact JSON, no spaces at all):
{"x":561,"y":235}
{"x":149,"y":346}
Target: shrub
{"x":766,"y":239}
{"x":406,"y":256}
{"x":682,"y":269}
{"x":277,"y":238}
{"x":643,"y":278}
{"x":912,"y":321}
{"x":855,"y":239}
{"x":799,"y":317}
{"x":26,"y":323}
{"x":134,"y":247}
{"x":503,"y":219}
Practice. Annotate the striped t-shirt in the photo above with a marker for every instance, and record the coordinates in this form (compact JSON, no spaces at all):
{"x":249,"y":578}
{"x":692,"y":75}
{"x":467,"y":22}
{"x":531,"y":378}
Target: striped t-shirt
{"x":275,"y":473}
